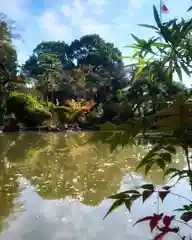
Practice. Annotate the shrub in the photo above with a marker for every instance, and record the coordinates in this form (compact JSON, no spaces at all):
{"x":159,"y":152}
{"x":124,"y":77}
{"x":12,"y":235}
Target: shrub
{"x":2,"y":111}
{"x":62,"y":114}
{"x":73,"y":111}
{"x":110,"y":110}
{"x":125,"y":111}
{"x":27,"y":109}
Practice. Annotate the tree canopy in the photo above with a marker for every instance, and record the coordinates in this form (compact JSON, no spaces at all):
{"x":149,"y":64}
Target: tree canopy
{"x":99,"y":64}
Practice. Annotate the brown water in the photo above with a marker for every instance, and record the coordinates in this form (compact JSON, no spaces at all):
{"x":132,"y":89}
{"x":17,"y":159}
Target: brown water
{"x":53,"y":186}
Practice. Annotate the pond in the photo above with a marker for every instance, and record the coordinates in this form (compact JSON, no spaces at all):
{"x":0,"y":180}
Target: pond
{"x":54,"y":186}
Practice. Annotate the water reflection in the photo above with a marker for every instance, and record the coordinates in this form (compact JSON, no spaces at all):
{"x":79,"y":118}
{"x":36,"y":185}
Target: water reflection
{"x":9,"y":191}
{"x":62,"y":165}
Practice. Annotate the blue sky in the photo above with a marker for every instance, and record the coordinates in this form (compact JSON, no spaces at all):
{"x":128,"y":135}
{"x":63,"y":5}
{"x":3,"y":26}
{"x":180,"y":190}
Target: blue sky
{"x":66,"y":20}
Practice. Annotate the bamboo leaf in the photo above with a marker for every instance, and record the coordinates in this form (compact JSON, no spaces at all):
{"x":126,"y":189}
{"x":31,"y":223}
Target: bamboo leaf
{"x":157,"y":44}
{"x":140,"y":41}
{"x":125,"y":194}
{"x":132,"y":46}
{"x":146,"y":194}
{"x":179,"y":73}
{"x":185,"y":69}
{"x":160,"y":162}
{"x":119,"y":196}
{"x":148,"y":26}
{"x":171,"y":170}
{"x":190,"y":9}
{"x":115,"y":205}
{"x":128,"y":204}
{"x":166,"y":156}
{"x":171,"y":149}
{"x":165,"y":33}
{"x":145,"y":161}
{"x":156,"y":16}
{"x":148,"y":167}
{"x":148,"y":187}
{"x":167,"y":187}
{"x":135,"y":197}
{"x":179,"y":210}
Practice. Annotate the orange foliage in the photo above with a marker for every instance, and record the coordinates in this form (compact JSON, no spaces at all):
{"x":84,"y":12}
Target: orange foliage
{"x":81,"y":105}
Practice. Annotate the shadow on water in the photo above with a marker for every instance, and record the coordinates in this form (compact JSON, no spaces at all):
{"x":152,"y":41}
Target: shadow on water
{"x":60,"y":165}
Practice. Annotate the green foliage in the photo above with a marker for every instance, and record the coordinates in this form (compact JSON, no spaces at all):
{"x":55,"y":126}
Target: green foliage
{"x":62,"y":114}
{"x":2,"y":111}
{"x":44,"y":54}
{"x":156,"y":63}
{"x":27,"y":109}
{"x":130,"y":196}
{"x":8,"y":55}
{"x":160,"y":155}
{"x":190,"y":9}
{"x":52,"y":64}
{"x":110,"y":110}
{"x":175,"y":53}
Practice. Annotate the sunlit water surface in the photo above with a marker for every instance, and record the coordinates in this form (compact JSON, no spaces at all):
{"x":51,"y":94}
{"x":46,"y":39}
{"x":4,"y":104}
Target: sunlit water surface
{"x":54,"y":186}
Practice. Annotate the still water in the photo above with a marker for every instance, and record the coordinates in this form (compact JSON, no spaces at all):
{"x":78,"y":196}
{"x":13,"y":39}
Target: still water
{"x":54,"y":186}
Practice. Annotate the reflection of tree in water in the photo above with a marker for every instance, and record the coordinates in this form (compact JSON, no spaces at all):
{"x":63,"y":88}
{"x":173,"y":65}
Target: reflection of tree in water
{"x":9,"y":191}
{"x":64,"y":166}
{"x":61,"y":165}
{"x":18,"y":145}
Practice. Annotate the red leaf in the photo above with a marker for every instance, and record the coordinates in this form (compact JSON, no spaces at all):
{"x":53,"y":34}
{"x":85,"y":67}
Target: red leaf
{"x":144,"y":219}
{"x":159,"y":236}
{"x":186,"y":217}
{"x":155,"y":220}
{"x":168,"y":229}
{"x":152,"y":225}
{"x":163,"y":195}
{"x":167,"y":220}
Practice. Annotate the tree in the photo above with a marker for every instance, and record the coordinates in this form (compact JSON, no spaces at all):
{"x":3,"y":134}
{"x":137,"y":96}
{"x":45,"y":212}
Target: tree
{"x":57,"y":51}
{"x":107,"y":72}
{"x":46,"y":65}
{"x":85,"y":66}
{"x":8,"y":59}
{"x":8,"y":55}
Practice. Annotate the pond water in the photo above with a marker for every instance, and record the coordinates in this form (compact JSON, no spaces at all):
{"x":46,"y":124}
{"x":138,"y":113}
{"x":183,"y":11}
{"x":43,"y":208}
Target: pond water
{"x":54,"y":186}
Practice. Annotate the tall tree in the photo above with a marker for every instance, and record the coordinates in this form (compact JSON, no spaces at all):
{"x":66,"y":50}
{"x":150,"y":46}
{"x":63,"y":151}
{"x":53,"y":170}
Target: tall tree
{"x":47,"y":53}
{"x":8,"y":58}
{"x":105,"y":59}
{"x":8,"y":55}
{"x":87,"y":64}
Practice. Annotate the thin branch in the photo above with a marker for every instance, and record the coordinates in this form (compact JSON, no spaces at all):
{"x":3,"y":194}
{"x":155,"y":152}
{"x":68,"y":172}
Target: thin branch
{"x":182,"y":223}
{"x":178,"y":195}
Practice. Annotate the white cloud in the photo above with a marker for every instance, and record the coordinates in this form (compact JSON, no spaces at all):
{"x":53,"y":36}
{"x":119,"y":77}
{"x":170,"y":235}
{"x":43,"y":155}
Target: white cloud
{"x":67,"y":11}
{"x":97,"y":6}
{"x":75,"y":13}
{"x":56,"y":30}
{"x":80,"y":16}
{"x":15,"y":9}
{"x":78,"y":8}
{"x":89,"y":28}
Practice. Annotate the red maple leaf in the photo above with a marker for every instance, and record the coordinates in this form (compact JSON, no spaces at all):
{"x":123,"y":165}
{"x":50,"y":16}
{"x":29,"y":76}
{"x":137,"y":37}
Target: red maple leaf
{"x":154,"y":220}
